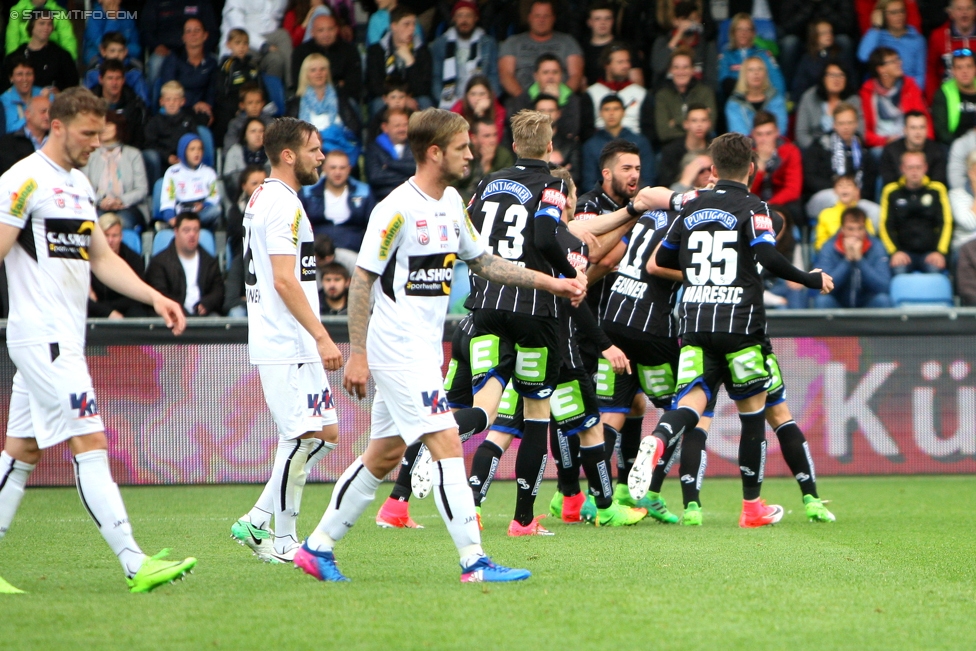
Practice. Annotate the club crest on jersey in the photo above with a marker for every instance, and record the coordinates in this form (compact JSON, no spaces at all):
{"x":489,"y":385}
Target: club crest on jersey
{"x":59,"y":202}
{"x":457,"y":229}
{"x":436,"y":402}
{"x":762,"y":223}
{"x":84,"y":404}
{"x":504,"y":186}
{"x":700,"y":217}
{"x":423,"y":235}
{"x":555,"y":197}
{"x":18,"y":200}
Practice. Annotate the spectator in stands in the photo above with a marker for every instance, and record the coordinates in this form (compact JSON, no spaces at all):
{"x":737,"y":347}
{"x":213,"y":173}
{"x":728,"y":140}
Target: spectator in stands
{"x":696,"y":169}
{"x":547,"y":79}
{"x":858,"y":263}
{"x":821,"y":51}
{"x":519,"y":53}
{"x":460,"y":54}
{"x":815,"y":113}
{"x":963,"y":206}
{"x":869,"y":15}
{"x":897,"y":34}
{"x":848,"y":196}
{"x":916,"y":220}
{"x":954,"y":105}
{"x":18,"y":145}
{"x":325,"y":252}
{"x":105,"y":303}
{"x":64,"y":31}
{"x":752,"y":93}
{"x":118,"y":176}
{"x":271,"y":45}
{"x":122,"y":101}
{"x":195,"y":69}
{"x":886,"y":97}
{"x":480,"y":103}
{"x":248,"y":152}
{"x":958,"y":33}
{"x":615,"y":80}
{"x":695,"y":128}
{"x":324,"y":106}
{"x":663,"y":19}
{"x":674,"y":99}
{"x":565,"y":149}
{"x":825,"y":26}
{"x":916,"y":138}
{"x":742,"y":46}
{"x":14,"y":99}
{"x":600,"y":20}
{"x":837,"y":153}
{"x":396,"y":96}
{"x":389,"y":161}
{"x":687,"y":36}
{"x":381,"y":20}
{"x":488,"y":158}
{"x":347,"y":68}
{"x":162,"y":29}
{"x":779,"y":171}
{"x":53,"y":66}
{"x":164,"y":130}
{"x":612,"y":112}
{"x":235,"y":302}
{"x":251,"y":105}
{"x":966,"y":274}
{"x":298,"y":18}
{"x":401,"y":53}
{"x":190,"y":186}
{"x":186,"y":273}
{"x":334,"y":295}
{"x":237,"y":69}
{"x":113,"y":46}
{"x":338,"y":205}
{"x":108,"y":19}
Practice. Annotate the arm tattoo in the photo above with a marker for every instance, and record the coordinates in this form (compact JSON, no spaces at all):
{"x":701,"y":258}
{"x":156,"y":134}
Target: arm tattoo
{"x":491,"y":267}
{"x":359,"y":295}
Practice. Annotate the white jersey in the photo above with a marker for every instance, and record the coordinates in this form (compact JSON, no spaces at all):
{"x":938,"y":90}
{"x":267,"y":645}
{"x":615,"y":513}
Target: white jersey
{"x":412,"y":242}
{"x":275,"y":223}
{"x":48,"y":272}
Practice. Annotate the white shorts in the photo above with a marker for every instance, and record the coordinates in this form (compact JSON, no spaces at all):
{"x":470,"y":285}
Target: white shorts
{"x":52,"y":398}
{"x":409,"y":403}
{"x":299,"y":398}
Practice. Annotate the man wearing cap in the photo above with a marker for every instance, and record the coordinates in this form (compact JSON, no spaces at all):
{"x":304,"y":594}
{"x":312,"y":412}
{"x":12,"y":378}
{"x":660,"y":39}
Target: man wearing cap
{"x":462,"y":52}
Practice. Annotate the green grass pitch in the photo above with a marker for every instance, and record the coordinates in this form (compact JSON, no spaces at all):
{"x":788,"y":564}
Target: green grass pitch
{"x":896,"y":571}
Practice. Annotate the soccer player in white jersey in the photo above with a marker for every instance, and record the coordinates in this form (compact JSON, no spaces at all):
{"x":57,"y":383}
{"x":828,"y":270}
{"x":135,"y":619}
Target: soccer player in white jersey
{"x":414,"y":237}
{"x":286,"y":338}
{"x":51,"y":242}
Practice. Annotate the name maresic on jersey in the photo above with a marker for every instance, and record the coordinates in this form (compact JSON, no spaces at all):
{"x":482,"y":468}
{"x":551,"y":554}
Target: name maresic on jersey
{"x":711,"y":294}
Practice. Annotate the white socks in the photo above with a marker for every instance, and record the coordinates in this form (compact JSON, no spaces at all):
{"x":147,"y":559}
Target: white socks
{"x":353,"y":492}
{"x":456,"y":505}
{"x":13,"y":480}
{"x":100,"y":496}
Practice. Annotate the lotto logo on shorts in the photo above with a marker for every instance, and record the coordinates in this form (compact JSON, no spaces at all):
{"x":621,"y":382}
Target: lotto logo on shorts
{"x":318,"y":402}
{"x":85,"y":404}
{"x":436,"y":402}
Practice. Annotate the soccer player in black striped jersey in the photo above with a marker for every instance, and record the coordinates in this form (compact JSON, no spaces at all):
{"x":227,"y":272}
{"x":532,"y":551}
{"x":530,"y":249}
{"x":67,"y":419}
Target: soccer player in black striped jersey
{"x":517,"y":210}
{"x":716,"y":243}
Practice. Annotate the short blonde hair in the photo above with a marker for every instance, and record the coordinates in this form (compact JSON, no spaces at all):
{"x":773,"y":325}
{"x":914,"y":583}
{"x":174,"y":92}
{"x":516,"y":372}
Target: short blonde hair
{"x":531,"y":133}
{"x":315,"y":57}
{"x":108,"y":220}
{"x":433,"y":127}
{"x":740,"y":86}
{"x":172,"y":87}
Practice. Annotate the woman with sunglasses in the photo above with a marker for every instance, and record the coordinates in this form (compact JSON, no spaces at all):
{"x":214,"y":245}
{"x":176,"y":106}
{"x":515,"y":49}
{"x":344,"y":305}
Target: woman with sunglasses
{"x":954,"y":104}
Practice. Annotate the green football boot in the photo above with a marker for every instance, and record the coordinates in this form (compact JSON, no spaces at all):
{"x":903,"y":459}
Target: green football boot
{"x":816,"y":511}
{"x":556,"y":505}
{"x":588,"y":512}
{"x":692,"y":516}
{"x":657,"y":508}
{"x":156,"y":571}
{"x":617,"y":515}
{"x":6,"y":588}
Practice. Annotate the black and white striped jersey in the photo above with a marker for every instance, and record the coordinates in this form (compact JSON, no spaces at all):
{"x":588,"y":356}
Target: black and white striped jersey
{"x":636,"y":299}
{"x":594,"y":203}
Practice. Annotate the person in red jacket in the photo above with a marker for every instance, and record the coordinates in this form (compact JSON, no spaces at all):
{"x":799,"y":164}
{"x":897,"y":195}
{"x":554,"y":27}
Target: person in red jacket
{"x":959,"y":33}
{"x":779,"y":171}
{"x":886,"y":97}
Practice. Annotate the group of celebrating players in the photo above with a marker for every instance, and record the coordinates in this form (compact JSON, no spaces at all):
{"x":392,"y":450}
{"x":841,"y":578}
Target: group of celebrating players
{"x":570,"y":327}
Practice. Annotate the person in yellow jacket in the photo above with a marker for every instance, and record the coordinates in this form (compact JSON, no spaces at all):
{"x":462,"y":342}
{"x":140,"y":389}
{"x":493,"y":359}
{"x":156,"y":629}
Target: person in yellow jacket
{"x":20,"y":13}
{"x":848,"y":196}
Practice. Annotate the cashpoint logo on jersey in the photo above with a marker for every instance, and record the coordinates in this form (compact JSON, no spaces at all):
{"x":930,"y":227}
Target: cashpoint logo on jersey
{"x":430,"y":275}
{"x":68,"y":238}
{"x":307,"y":258}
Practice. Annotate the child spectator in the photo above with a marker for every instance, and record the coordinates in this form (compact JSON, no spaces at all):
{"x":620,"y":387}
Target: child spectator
{"x":236,"y":69}
{"x":858,"y":263}
{"x":190,"y":186}
{"x":164,"y":130}
{"x":848,"y":196}
{"x":111,"y":21}
{"x":251,"y":104}
{"x":248,"y":152}
{"x":113,"y":46}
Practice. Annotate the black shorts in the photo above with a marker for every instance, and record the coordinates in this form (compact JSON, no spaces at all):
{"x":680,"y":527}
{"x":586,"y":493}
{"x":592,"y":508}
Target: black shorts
{"x":516,"y":348}
{"x":457,"y":382}
{"x":653,"y":362}
{"x":710,"y":359}
{"x":573,"y":406}
{"x":776,"y":393}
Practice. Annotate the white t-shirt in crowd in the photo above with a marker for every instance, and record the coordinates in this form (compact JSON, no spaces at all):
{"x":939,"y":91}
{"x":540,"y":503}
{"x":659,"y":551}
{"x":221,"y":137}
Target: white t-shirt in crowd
{"x":191,"y":269}
{"x":337,"y":206}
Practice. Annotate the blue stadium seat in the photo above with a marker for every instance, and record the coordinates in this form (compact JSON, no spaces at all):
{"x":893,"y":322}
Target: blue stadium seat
{"x":208,"y":146}
{"x":156,"y":199}
{"x":132,"y":240}
{"x":163,"y":239}
{"x":276,"y":92}
{"x":918,"y":289}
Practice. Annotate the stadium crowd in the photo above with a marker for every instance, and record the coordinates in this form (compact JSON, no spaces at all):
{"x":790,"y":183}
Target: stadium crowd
{"x":850,"y":104}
